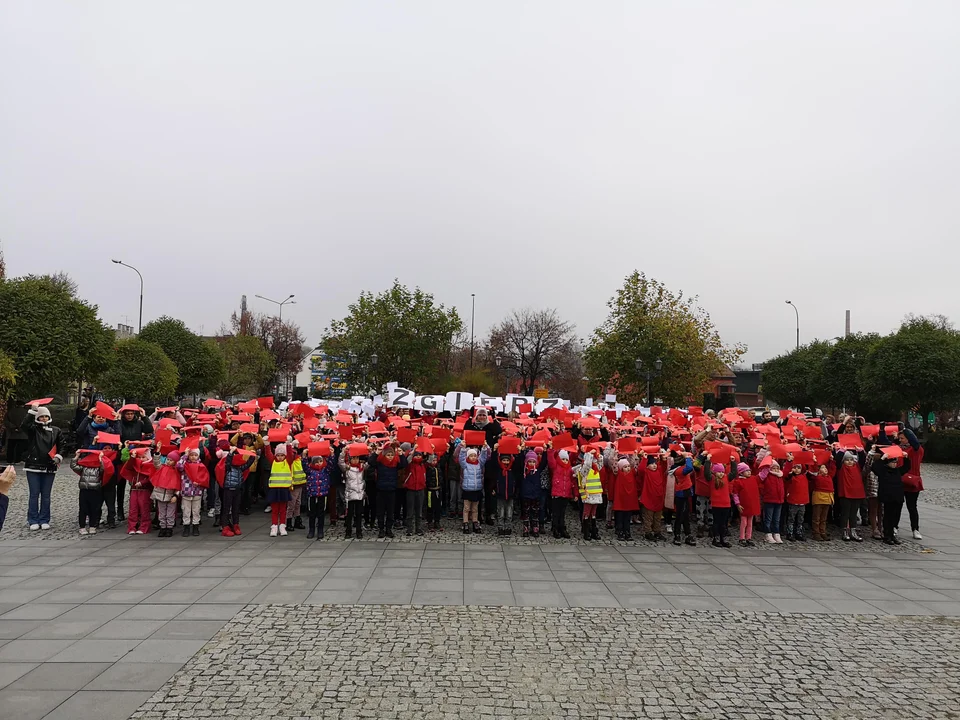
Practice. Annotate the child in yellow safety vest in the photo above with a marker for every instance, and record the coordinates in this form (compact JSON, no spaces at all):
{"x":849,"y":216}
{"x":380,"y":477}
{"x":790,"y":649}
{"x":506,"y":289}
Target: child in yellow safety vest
{"x":278,"y":486}
{"x":294,"y":520}
{"x":591,"y":493}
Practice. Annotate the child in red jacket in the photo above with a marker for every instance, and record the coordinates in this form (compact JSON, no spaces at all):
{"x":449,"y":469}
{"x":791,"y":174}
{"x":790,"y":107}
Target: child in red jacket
{"x":798,"y":497}
{"x":720,"y":501}
{"x":771,"y":495}
{"x":746,"y":495}
{"x":654,"y":470}
{"x":138,"y":471}
{"x":625,"y":499}
{"x":562,"y":489}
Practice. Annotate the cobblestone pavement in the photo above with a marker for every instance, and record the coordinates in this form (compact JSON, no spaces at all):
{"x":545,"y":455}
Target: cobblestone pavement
{"x":944,"y":497}
{"x":285,"y":661}
{"x":64,"y":525}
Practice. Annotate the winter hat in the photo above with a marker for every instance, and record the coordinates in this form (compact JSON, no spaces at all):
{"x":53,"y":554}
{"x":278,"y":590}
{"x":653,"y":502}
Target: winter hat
{"x":563,"y":455}
{"x":281,"y":449}
{"x":193,"y":451}
{"x":43,"y":412}
{"x":405,"y":447}
{"x":471,"y":452}
{"x":623,"y":464}
{"x":223,"y":445}
{"x":849,"y":456}
{"x":716,"y":468}
{"x":207,"y":430}
{"x":175,"y":456}
{"x":742,"y":468}
{"x":530,"y":455}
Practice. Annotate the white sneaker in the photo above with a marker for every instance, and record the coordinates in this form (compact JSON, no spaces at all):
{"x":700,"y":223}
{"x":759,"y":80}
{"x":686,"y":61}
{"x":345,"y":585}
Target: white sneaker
{"x":896,"y":532}
{"x":273,"y":531}
{"x":917,"y":535}
{"x":283,"y":530}
{"x":211,"y":512}
{"x":34,"y":527}
{"x":267,"y":509}
{"x":92,"y":531}
{"x":768,"y":538}
{"x":131,"y":532}
{"x":776,"y":539}
{"x":138,"y":532}
{"x":83,"y":531}
{"x":45,"y":526}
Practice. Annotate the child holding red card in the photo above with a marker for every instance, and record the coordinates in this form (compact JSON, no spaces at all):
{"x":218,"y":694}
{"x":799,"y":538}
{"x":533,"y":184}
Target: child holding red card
{"x":94,"y":469}
{"x":194,"y":479}
{"x":798,"y":497}
{"x":318,"y":490}
{"x":166,"y":487}
{"x":746,"y":495}
{"x":278,"y":487}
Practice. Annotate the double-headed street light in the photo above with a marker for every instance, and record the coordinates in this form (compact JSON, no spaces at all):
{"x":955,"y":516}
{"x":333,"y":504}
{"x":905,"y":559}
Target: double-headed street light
{"x":651,"y":374}
{"x":279,"y":304}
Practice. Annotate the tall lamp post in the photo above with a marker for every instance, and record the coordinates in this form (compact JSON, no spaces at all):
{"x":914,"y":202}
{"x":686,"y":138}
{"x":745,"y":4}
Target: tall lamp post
{"x":140,"y":321}
{"x":651,"y":374}
{"x":473,"y":308}
{"x":798,"y":321}
{"x":280,"y":322}
{"x":498,"y":360}
{"x":279,"y":304}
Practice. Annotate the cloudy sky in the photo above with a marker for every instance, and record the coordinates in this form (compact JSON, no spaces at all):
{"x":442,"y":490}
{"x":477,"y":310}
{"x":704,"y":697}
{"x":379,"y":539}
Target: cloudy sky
{"x":531,"y":152}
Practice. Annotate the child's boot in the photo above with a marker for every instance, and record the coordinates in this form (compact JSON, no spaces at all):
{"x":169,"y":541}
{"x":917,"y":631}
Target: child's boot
{"x":466,"y":528}
{"x":298,"y":523}
{"x":312,"y":531}
{"x":195,"y":530}
{"x":691,"y":541}
{"x":186,"y":531}
{"x":525,"y":532}
{"x":289,"y":526}
{"x":535,"y":531}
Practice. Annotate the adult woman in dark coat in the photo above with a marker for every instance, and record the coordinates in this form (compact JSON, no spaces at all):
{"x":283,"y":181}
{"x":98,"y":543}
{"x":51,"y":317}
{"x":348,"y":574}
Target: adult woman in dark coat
{"x":889,"y":488}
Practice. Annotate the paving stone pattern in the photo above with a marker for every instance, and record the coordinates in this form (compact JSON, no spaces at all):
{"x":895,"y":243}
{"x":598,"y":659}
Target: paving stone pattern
{"x":454,"y":662}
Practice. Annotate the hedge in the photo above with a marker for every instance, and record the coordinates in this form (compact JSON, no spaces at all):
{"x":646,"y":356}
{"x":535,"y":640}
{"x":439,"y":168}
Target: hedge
{"x":942,"y":447}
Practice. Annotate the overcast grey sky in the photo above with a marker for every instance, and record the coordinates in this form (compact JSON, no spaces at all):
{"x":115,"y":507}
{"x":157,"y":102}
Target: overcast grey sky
{"x":531,"y":152}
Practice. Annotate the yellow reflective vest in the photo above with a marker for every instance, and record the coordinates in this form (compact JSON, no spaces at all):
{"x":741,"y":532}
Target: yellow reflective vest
{"x":280,"y":475}
{"x":299,"y":476}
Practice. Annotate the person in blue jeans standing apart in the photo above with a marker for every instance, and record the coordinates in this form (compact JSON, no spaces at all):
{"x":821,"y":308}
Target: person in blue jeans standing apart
{"x":41,"y":462}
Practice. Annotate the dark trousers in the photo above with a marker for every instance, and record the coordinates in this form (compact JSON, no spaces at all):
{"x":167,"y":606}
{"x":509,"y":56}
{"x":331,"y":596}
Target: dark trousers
{"x":109,"y":496}
{"x":891,"y":517}
{"x":385,"y":503}
{"x":544,"y":506}
{"x":621,"y":520}
{"x":681,"y":516}
{"x":355,"y":515}
{"x":911,"y":499}
{"x":721,"y":516}
{"x":399,"y":506}
{"x":560,"y":513}
{"x":414,"y":509}
{"x":849,"y":507}
{"x":317,"y":506}
{"x":230,"y":506}
{"x":434,"y":509}
{"x":370,"y":505}
{"x":245,"y":499}
{"x":91,"y":506}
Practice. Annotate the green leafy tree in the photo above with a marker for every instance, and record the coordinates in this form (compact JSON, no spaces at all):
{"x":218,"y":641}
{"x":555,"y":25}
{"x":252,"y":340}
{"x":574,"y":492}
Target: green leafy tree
{"x":140,"y":372}
{"x":8,"y":378}
{"x":52,"y":337}
{"x":411,"y":335}
{"x":791,"y":379}
{"x":249,"y":366}
{"x":648,"y":321}
{"x":918,"y":367}
{"x":200,"y":364}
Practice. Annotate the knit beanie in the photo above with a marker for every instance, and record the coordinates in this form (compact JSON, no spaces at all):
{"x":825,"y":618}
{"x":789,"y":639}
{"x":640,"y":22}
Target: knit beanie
{"x":563,"y":455}
{"x":742,"y":468}
{"x":42,"y":412}
{"x":530,"y":455}
{"x":175,"y":456}
{"x":623,"y":464}
{"x":849,"y":456}
{"x":716,"y":468}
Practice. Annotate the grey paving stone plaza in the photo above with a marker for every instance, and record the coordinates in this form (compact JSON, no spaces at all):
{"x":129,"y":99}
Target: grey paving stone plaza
{"x":118,"y":626}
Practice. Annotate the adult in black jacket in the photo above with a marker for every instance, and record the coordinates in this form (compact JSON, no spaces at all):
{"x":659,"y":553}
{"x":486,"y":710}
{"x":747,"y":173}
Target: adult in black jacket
{"x":41,"y":462}
{"x":889,"y":490}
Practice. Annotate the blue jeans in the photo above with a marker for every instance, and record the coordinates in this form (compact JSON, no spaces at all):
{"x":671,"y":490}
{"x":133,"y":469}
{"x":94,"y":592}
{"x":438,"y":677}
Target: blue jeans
{"x":544,"y":505}
{"x":771,"y":518}
{"x":40,"y":485}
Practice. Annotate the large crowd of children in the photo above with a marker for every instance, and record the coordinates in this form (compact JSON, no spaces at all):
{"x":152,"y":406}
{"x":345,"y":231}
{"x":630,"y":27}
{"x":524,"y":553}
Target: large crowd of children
{"x":690,"y":473}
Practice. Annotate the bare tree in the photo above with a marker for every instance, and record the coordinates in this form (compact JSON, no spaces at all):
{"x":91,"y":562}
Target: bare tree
{"x":531,"y":345}
{"x":283,"y":340}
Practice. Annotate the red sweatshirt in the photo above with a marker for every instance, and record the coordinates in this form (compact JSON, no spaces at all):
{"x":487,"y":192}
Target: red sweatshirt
{"x":798,"y":489}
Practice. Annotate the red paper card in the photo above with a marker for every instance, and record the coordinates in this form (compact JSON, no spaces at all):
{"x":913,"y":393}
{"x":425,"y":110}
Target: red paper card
{"x":358,"y":449}
{"x":474,"y":437}
{"x":105,"y":411}
{"x":406,"y":435}
{"x":589,"y":422}
{"x":265,"y":403}
{"x":869,"y":431}
{"x":564,"y":441}
{"x":41,"y":401}
{"x":892,"y":451}
{"x":850,"y":441}
{"x":319,"y":449}
{"x":508,"y":445}
{"x":107,"y":439}
{"x":345,"y":432}
{"x":424,"y":445}
{"x":251,"y":428}
{"x":277,"y":435}
{"x":627,"y":445}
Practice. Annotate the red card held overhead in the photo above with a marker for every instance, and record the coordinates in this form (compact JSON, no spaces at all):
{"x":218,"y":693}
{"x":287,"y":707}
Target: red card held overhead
{"x":424,"y":445}
{"x":251,"y":428}
{"x":41,"y":401}
{"x":276,"y":435}
{"x":870,"y":431}
{"x":376,"y":428}
{"x":107,"y":439}
{"x":627,"y":445}
{"x":303,"y":439}
{"x":892,"y":451}
{"x":564,"y":441}
{"x":311,"y":423}
{"x":778,"y":451}
{"x":439,"y":446}
{"x":440,"y":433}
{"x":248,"y":407}
{"x":851,"y":441}
{"x":105,"y":411}
{"x":812,"y":432}
{"x":508,"y":445}
{"x":319,"y":449}
{"x":891,"y":431}
{"x":345,"y":432}
{"x":474,"y":437}
{"x":804,"y":457}
{"x":822,"y":457}
{"x":265,"y":403}
{"x":406,"y":435}
{"x":525,"y":408}
{"x":358,"y":449}
{"x":589,"y":422}
{"x":189,"y":442}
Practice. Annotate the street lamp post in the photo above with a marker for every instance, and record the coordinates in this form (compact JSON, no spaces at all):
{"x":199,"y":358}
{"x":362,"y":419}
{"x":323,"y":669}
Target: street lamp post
{"x":798,"y":321}
{"x":651,"y":374}
{"x":498,"y":360}
{"x":280,"y":319}
{"x":140,"y":321}
{"x":473,"y":308}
